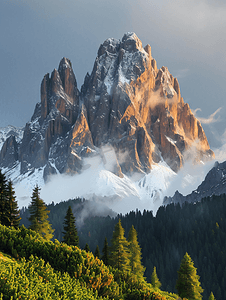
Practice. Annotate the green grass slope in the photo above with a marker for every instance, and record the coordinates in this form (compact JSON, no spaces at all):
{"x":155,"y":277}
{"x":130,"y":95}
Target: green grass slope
{"x":47,"y":270}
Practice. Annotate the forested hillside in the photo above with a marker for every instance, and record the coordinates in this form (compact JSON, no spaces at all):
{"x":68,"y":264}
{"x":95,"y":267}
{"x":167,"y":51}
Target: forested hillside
{"x":81,"y":208}
{"x":56,"y":269}
{"x":199,"y":229}
{"x":164,"y":240}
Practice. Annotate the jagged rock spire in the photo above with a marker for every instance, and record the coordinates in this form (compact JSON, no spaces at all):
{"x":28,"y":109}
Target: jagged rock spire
{"x":126,"y":102}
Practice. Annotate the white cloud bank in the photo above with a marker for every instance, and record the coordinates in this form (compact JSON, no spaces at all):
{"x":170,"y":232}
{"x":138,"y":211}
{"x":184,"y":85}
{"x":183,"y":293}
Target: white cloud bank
{"x":98,"y":183}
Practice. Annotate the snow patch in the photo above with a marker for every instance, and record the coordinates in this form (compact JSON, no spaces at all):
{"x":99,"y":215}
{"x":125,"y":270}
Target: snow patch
{"x":24,"y":183}
{"x":122,"y":77}
{"x":166,"y":83}
{"x":5,"y":132}
{"x":170,"y":140}
{"x":154,"y":185}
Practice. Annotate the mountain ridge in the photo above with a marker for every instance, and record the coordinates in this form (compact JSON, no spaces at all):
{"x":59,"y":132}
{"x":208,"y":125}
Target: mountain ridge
{"x":213,"y":184}
{"x":126,"y":103}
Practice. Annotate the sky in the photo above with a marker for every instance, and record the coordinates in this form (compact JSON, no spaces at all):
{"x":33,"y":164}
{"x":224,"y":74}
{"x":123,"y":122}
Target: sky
{"x":188,"y":37}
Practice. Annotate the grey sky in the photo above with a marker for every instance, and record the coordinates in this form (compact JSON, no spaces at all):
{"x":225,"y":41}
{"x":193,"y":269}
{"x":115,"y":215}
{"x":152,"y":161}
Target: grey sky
{"x":186,"y":36}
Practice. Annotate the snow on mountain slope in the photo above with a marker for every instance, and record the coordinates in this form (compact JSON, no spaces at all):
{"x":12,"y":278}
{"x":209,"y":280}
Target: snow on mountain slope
{"x":92,"y":183}
{"x":24,"y":183}
{"x":154,"y":184}
{"x":9,"y":130}
{"x":98,"y":184}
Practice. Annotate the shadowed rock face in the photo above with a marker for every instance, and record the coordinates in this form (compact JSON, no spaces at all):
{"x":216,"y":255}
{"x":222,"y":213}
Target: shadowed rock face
{"x":9,"y":152}
{"x":139,"y":108}
{"x":126,"y":102}
{"x":213,"y":184}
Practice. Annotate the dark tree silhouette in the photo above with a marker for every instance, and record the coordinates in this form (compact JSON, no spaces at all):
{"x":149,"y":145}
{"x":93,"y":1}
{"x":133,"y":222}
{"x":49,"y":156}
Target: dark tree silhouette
{"x":70,"y":234}
{"x":97,"y":252}
{"x":3,"y":199}
{"x":12,"y":210}
{"x":87,"y":249}
{"x":105,"y":251}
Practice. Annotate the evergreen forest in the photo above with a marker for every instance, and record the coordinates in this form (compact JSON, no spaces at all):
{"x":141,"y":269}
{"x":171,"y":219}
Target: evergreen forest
{"x":198,"y":229}
{"x":177,"y":254}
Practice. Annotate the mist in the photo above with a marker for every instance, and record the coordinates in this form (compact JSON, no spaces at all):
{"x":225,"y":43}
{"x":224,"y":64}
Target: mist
{"x":98,"y":183}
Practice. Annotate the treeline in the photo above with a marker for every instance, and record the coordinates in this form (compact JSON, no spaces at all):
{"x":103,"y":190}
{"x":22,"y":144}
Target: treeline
{"x":9,"y":211}
{"x":122,"y":279}
{"x":164,"y":239}
{"x":199,"y":229}
{"x":81,"y":208}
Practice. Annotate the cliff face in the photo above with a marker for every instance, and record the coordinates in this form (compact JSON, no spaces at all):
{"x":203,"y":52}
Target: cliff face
{"x":139,"y":109}
{"x":126,"y":102}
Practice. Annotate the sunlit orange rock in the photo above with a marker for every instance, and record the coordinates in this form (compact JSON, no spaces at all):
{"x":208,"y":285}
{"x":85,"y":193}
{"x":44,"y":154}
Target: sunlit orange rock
{"x":126,"y":103}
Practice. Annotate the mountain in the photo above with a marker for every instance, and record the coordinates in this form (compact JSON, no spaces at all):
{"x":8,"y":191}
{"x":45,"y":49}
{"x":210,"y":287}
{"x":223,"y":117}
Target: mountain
{"x":126,"y":103}
{"x":10,"y":137}
{"x":213,"y":184}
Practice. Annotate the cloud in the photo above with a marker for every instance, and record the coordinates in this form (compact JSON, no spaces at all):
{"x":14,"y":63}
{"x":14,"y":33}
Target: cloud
{"x":189,"y":178}
{"x":182,"y":73}
{"x":220,"y":153}
{"x":211,"y":119}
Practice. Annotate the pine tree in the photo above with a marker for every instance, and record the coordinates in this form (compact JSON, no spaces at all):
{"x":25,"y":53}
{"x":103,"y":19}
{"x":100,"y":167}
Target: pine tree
{"x":3,"y":199}
{"x":39,"y":215}
{"x":70,"y":232}
{"x":135,"y":254}
{"x":154,"y":279}
{"x":105,"y":251}
{"x":97,"y":252}
{"x":12,"y":210}
{"x":211,"y":297}
{"x":86,"y":248}
{"x":188,"y":284}
{"x":119,"y":252}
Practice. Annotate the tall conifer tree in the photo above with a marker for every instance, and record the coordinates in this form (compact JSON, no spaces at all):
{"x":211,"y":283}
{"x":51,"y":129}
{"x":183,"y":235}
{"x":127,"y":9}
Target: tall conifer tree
{"x":12,"y":210}
{"x":135,"y":254}
{"x":211,"y":297}
{"x":105,"y":251}
{"x":86,"y":248}
{"x":70,"y":232}
{"x":39,"y":215}
{"x":188,"y":284}
{"x":3,"y":199}
{"x":97,"y":252}
{"x":154,"y":279}
{"x":119,"y":252}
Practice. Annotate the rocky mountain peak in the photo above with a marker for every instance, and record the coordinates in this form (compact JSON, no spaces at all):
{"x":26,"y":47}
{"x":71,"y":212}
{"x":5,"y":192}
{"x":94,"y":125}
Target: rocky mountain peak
{"x":131,"y":43}
{"x":68,"y":79}
{"x":126,"y":103}
{"x":110,"y":45}
{"x":166,"y":81}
